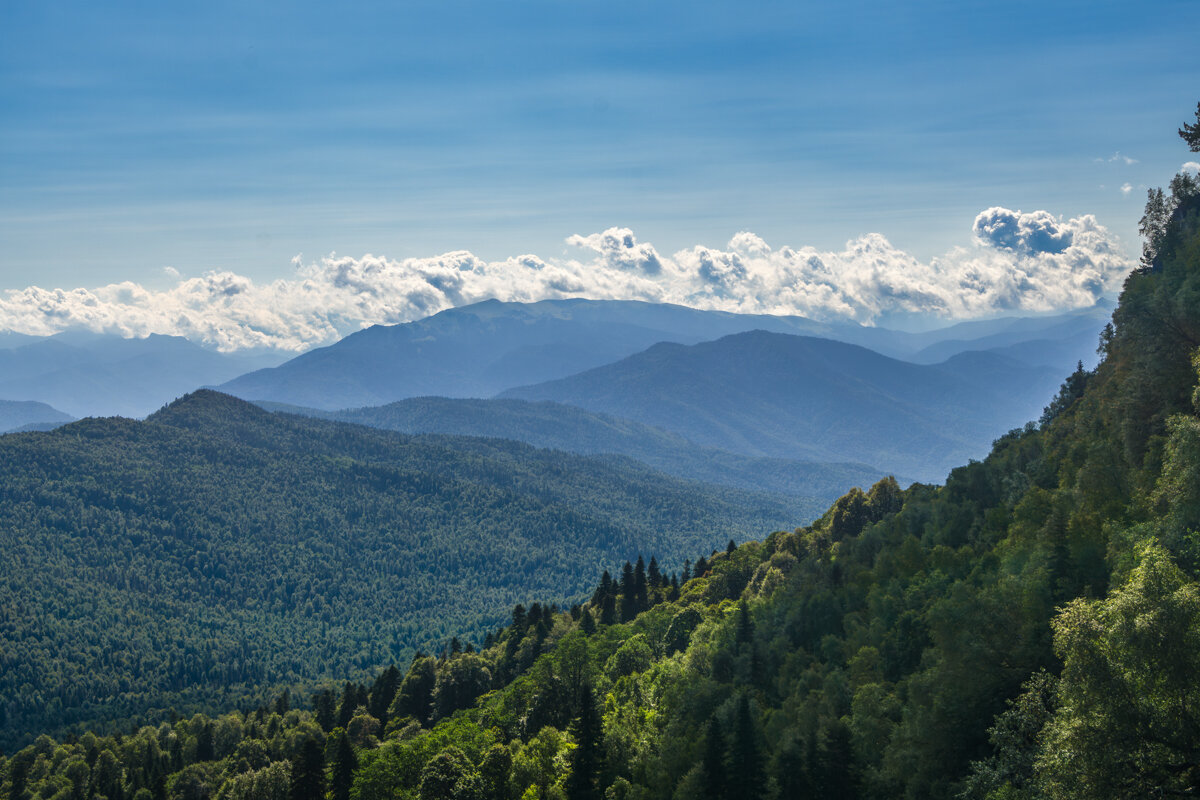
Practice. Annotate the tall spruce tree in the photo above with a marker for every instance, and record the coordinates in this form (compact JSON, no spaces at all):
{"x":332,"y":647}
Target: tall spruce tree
{"x":746,"y":773}
{"x":716,"y":775}
{"x":344,"y":763}
{"x":308,"y":772}
{"x":587,"y":757}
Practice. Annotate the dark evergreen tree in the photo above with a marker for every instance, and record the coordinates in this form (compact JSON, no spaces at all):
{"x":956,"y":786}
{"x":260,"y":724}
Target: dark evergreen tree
{"x":587,"y":757}
{"x":746,"y":774}
{"x":308,"y":772}
{"x":715,"y":772}
{"x":641,"y":595}
{"x":348,"y":704}
{"x":701,"y":567}
{"x":587,"y":623}
{"x":835,"y":762}
{"x":604,"y":589}
{"x":628,"y":593}
{"x":204,"y":743}
{"x":342,"y":773}
{"x":323,"y":709}
{"x":383,"y":692}
{"x":686,"y":574}
{"x":729,"y":548}
{"x":653,"y":574}
{"x":608,"y":610}
{"x":283,"y":703}
{"x":1191,"y":133}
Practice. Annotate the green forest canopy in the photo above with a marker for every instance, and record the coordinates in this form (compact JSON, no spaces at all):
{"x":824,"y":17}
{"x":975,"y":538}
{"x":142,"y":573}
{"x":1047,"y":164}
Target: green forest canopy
{"x":1029,"y":630}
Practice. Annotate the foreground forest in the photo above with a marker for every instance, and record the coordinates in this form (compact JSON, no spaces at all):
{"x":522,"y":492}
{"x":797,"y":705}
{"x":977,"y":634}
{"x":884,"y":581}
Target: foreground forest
{"x":1029,"y":630}
{"x":215,"y":552}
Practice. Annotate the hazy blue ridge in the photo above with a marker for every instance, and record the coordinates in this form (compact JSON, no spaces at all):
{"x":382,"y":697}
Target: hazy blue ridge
{"x":782,"y":396}
{"x":86,"y":374}
{"x":20,"y":414}
{"x":574,"y":429}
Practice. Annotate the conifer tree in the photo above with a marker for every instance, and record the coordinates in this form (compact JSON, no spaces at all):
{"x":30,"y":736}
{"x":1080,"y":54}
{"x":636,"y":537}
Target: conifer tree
{"x":308,"y":773}
{"x":713,"y":761}
{"x":653,"y":574}
{"x":344,"y":764}
{"x":323,"y":709}
{"x":608,"y":610}
{"x":587,"y":757}
{"x":383,"y":691}
{"x":348,"y":703}
{"x":640,"y":593}
{"x":204,"y":743}
{"x":604,"y":589}
{"x":628,"y":593}
{"x":746,"y":774}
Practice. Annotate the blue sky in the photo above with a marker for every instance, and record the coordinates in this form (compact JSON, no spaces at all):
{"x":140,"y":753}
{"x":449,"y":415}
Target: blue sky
{"x":233,"y":136}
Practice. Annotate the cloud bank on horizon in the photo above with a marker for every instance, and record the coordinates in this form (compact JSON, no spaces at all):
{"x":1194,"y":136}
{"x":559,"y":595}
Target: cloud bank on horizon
{"x":1026,"y":262}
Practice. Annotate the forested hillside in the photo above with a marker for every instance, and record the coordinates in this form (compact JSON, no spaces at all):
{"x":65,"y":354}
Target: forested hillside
{"x":1029,"y":630}
{"x":578,"y":430}
{"x":215,"y":551}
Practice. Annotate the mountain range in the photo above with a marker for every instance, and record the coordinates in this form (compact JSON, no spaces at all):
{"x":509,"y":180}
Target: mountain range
{"x":18,"y":414}
{"x":484,"y":349}
{"x":87,"y":374}
{"x":574,"y":429}
{"x":783,"y":396}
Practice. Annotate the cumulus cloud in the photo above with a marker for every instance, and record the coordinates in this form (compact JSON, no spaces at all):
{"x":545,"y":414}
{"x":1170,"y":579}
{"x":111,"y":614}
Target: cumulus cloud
{"x":1190,"y":166}
{"x":1126,"y":188}
{"x":1027,"y":262}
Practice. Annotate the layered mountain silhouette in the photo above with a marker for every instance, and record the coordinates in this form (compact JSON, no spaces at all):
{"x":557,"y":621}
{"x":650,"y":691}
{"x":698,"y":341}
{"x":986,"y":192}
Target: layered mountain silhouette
{"x":782,"y":396}
{"x":486,"y":348}
{"x":27,"y":414}
{"x":88,"y":374}
{"x":577,"y":430}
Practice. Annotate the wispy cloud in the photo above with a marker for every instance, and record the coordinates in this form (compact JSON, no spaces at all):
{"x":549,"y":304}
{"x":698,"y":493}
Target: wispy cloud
{"x":1117,"y":158}
{"x":1017,"y":262}
{"x":1126,"y":188}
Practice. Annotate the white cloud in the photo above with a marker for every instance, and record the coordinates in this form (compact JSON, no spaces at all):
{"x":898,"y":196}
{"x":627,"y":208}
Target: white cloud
{"x":1190,"y":166}
{"x":1117,"y":157}
{"x":1029,"y":262}
{"x":1126,"y":188}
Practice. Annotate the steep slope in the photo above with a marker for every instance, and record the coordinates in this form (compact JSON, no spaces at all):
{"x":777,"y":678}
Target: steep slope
{"x":22,"y":413}
{"x":576,"y":430}
{"x":784,"y":396}
{"x":216,"y":549}
{"x":88,"y":374}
